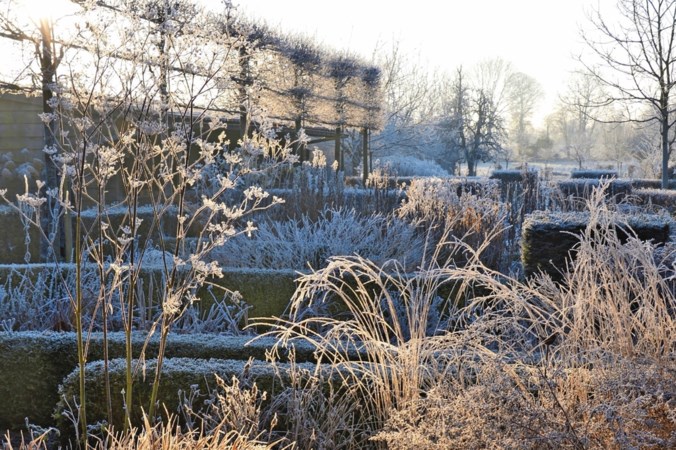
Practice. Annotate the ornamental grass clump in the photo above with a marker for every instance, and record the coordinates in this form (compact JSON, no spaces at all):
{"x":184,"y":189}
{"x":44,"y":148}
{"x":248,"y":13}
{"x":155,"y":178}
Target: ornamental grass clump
{"x":472,"y":214}
{"x":378,"y":327}
{"x":495,"y":361}
{"x":584,"y":363}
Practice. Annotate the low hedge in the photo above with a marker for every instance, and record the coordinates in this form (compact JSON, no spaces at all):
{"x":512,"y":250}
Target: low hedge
{"x":390,"y":182}
{"x":657,"y":197}
{"x":479,"y":186}
{"x":548,"y":238}
{"x":268,"y":291}
{"x":513,"y":176}
{"x":651,"y":184}
{"x":13,"y":247}
{"x":178,"y":374}
{"x":583,"y":187}
{"x":518,"y":186}
{"x":597,"y":174}
{"x":33,"y":364}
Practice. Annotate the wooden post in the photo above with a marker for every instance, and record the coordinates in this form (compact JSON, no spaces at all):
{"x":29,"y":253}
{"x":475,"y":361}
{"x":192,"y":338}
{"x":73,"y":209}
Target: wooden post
{"x":298,"y":148}
{"x":365,"y":155}
{"x":48,"y":64}
{"x":244,"y":81}
{"x":337,"y":151}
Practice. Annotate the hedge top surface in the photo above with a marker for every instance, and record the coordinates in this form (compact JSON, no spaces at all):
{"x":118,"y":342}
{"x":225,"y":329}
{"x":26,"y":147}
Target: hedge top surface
{"x":512,"y":172}
{"x":69,"y":266}
{"x":569,"y":220}
{"x":593,"y":173}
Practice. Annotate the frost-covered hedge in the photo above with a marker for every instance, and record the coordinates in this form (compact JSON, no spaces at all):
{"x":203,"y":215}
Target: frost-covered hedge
{"x":455,"y":187}
{"x":548,"y":238}
{"x":651,"y":184}
{"x":13,"y":242}
{"x":178,"y":374}
{"x":518,"y":187}
{"x":392,"y":182}
{"x":597,"y":174}
{"x":303,"y":202}
{"x":583,"y":187}
{"x":410,"y":166}
{"x":657,"y":197}
{"x":32,"y":365}
{"x":513,"y":176}
{"x":267,"y":291}
{"x":118,"y":216}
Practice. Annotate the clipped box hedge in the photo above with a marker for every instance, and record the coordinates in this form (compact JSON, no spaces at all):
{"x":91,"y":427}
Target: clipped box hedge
{"x":177,"y":374}
{"x":597,"y":174}
{"x":657,"y":197}
{"x":583,"y":187}
{"x":518,"y":186}
{"x":651,"y":184}
{"x":479,"y":186}
{"x":268,"y":291}
{"x":393,"y":182}
{"x":33,"y":364}
{"x":548,"y":238}
{"x":514,"y":176}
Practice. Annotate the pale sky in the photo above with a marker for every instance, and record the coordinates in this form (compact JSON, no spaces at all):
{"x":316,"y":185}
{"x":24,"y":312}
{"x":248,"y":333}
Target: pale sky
{"x":540,"y":37}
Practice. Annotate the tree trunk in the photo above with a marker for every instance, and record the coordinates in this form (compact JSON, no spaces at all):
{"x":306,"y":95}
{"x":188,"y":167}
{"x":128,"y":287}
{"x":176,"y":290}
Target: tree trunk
{"x":365,"y":155}
{"x":471,"y":165}
{"x":298,"y":148}
{"x":664,"y":131}
{"x":48,"y":69}
{"x":244,"y":81}
{"x":337,"y":152}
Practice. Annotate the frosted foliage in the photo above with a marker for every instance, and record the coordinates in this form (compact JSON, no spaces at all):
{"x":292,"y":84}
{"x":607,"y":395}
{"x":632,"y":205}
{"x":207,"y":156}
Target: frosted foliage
{"x":306,"y":243}
{"x":408,"y":166}
{"x":37,"y":298}
{"x":583,"y":363}
{"x":467,"y":211}
{"x":579,"y":408}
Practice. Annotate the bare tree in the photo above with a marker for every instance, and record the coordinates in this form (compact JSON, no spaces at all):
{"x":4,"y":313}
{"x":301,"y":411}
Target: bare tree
{"x":493,"y":77}
{"x":581,"y":108}
{"x":451,"y":126}
{"x":637,"y":62}
{"x":523,"y":93}
{"x":472,"y":124}
{"x":614,"y":142}
{"x":578,"y":138}
{"x":408,"y":102}
{"x":644,"y":145}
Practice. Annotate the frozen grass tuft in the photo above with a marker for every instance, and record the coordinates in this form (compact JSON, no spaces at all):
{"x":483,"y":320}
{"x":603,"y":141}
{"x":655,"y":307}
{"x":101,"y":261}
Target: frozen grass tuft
{"x":500,"y":361}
